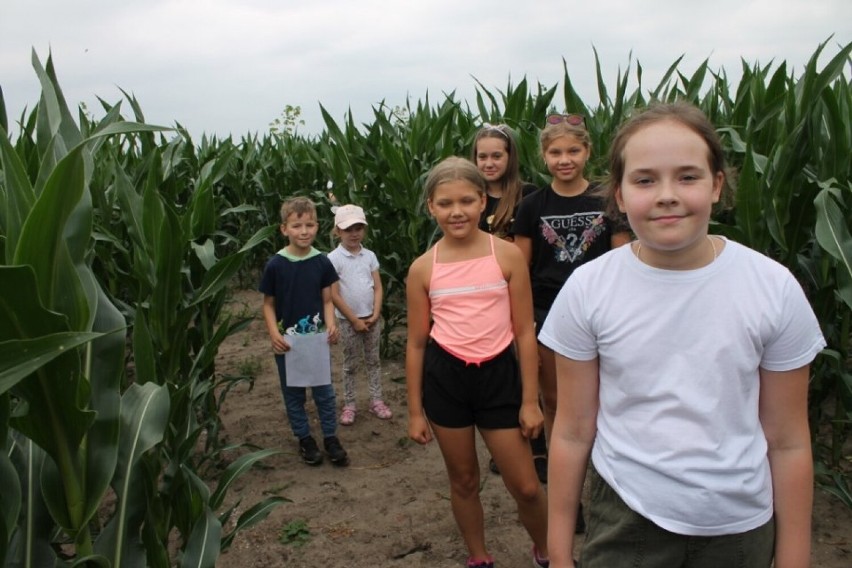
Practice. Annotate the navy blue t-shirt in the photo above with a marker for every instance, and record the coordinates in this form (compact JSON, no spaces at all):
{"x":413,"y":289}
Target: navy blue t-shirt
{"x":297,"y":284}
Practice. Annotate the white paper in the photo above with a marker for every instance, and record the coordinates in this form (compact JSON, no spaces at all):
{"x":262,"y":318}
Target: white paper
{"x":308,"y":362}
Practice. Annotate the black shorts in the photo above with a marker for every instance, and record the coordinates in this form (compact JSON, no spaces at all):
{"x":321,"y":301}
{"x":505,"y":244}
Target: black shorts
{"x":458,"y":395}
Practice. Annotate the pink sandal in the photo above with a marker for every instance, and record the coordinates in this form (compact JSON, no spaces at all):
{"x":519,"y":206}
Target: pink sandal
{"x":347,"y":417}
{"x":381,"y":410}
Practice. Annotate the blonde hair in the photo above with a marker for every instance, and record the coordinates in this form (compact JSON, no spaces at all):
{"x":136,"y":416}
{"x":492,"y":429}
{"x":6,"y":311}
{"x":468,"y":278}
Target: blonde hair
{"x":454,"y":169}
{"x":553,"y":131}
{"x":298,"y":205}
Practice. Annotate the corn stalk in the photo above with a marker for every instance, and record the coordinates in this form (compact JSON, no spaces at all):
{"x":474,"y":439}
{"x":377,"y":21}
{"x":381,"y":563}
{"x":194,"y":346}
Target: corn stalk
{"x":72,"y":432}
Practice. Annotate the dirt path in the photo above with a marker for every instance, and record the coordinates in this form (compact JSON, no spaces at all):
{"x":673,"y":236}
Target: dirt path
{"x":390,"y":507}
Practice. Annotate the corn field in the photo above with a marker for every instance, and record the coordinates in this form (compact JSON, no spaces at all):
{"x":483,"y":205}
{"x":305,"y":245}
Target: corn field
{"x":120,"y":241}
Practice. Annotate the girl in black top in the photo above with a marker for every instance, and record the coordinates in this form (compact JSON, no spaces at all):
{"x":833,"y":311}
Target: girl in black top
{"x":495,"y":154}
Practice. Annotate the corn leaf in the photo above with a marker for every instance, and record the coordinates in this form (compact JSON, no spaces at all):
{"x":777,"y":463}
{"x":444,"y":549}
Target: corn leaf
{"x":234,"y":471}
{"x":203,"y":546}
{"x":252,"y":516}
{"x":4,"y":120}
{"x":748,"y":201}
{"x":833,"y":235}
{"x":19,"y":359}
{"x":30,"y":544}
{"x":144,"y":417}
{"x":19,"y":194}
{"x":10,"y":497}
{"x":43,"y":247}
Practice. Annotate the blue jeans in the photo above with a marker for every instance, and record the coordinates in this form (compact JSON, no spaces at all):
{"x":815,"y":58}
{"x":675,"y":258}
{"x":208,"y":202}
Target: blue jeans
{"x":294,"y":404}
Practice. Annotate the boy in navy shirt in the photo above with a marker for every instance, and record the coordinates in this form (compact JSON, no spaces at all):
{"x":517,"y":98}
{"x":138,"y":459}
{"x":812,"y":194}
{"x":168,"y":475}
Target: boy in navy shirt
{"x":296,"y":287}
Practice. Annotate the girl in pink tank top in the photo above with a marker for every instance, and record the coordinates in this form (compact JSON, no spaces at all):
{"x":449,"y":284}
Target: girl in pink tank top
{"x":469,"y":309}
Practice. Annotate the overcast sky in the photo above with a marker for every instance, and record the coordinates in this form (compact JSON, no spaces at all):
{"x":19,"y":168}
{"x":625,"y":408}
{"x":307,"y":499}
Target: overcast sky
{"x":231,"y":66}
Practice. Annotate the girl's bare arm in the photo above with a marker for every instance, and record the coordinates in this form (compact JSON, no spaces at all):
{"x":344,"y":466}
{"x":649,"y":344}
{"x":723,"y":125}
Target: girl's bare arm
{"x":517,"y":274}
{"x":574,"y":431}
{"x":784,"y":416}
{"x":418,"y":315}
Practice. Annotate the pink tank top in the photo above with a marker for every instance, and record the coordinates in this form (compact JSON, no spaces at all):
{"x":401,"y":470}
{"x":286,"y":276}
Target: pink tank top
{"x":471,"y":311}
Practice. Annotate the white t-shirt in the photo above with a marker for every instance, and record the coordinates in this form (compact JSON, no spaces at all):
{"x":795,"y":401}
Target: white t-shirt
{"x":678,"y":433}
{"x":356,"y":279}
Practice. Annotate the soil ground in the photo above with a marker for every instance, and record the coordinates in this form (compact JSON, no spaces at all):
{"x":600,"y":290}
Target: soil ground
{"x":391,"y":506}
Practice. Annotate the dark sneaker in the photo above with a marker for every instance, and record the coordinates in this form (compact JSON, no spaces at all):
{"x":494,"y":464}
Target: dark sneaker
{"x":580,"y":527}
{"x":335,"y":451}
{"x":309,"y":451}
{"x":492,"y":467}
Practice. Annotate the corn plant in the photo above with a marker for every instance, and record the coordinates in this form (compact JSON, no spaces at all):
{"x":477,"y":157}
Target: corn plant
{"x":382,"y":170}
{"x":791,"y":143}
{"x":788,"y":142}
{"x":72,"y":432}
{"x":216,"y":201}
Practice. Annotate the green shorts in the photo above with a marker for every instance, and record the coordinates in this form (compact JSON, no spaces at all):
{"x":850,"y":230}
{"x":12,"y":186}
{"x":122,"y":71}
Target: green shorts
{"x":619,"y":537}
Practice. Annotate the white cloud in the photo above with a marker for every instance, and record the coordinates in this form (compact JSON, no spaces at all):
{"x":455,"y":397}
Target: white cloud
{"x":231,"y":66}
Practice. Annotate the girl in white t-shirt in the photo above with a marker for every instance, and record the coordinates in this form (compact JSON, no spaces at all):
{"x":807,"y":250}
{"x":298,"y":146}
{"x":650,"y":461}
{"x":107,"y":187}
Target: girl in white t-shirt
{"x":357,"y":298}
{"x":682,"y":370}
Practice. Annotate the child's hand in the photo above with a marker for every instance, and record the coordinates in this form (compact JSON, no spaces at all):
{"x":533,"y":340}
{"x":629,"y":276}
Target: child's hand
{"x":370,"y":321}
{"x":333,"y":333}
{"x":418,"y":430}
{"x":531,"y":419}
{"x":360,"y":325}
{"x":279,"y":344}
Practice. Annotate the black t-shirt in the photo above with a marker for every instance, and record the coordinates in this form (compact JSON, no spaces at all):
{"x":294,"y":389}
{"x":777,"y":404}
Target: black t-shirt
{"x":491,"y":204}
{"x":565,"y":233}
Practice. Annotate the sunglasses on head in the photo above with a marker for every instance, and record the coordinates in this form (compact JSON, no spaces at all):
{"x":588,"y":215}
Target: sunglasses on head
{"x":572,"y":119}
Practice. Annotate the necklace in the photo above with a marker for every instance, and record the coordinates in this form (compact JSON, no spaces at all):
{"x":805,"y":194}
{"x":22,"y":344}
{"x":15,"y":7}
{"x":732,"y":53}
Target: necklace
{"x":710,"y":239}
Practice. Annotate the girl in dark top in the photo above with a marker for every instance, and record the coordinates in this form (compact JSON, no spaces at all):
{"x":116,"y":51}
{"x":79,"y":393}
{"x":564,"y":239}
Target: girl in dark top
{"x":495,"y":154}
{"x":560,"y":227}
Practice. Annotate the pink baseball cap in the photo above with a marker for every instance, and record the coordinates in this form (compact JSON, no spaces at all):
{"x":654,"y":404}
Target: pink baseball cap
{"x":347,"y":215}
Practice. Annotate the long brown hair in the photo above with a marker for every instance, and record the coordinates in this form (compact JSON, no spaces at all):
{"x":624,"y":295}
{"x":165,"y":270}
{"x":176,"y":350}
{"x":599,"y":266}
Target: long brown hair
{"x":511,"y":181}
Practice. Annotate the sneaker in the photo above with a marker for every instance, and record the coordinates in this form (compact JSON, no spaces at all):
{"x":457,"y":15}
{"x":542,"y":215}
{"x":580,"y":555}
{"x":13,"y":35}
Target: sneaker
{"x":538,"y":561}
{"x":309,"y":451}
{"x":540,"y":463}
{"x":487,"y":563}
{"x":335,"y":451}
{"x":381,"y":410}
{"x":347,"y":417}
{"x":492,"y":467}
{"x":580,"y":527}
